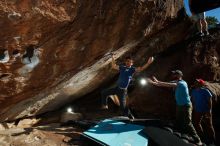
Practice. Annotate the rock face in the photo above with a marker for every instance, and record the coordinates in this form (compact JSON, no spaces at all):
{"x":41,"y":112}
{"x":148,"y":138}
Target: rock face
{"x":68,"y":44}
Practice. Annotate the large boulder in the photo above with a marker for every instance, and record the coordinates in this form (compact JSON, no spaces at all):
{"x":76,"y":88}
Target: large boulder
{"x":69,"y":43}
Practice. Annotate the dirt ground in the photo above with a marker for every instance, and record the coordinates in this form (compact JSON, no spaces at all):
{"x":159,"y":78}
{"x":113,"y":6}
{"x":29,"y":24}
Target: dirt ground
{"x":48,"y":135}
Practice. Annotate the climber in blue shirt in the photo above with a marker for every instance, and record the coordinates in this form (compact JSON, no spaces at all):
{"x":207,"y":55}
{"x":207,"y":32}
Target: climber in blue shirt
{"x":126,"y":72}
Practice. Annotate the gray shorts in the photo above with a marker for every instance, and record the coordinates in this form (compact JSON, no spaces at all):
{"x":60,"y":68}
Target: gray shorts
{"x":199,"y":16}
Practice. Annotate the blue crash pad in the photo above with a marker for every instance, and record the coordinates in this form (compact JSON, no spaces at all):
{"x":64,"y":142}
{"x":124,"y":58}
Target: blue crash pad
{"x":117,"y":133}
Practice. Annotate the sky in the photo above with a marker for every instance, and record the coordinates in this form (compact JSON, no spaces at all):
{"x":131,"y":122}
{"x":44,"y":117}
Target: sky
{"x":214,"y":12}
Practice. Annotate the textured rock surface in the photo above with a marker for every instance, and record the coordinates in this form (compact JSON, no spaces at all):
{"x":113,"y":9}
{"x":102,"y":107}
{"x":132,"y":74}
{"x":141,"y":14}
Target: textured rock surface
{"x":75,"y":38}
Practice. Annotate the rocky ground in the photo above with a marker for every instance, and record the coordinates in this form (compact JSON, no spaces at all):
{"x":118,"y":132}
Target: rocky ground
{"x":52,"y":129}
{"x":47,"y":135}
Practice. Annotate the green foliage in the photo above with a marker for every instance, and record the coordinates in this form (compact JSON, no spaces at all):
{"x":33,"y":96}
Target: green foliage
{"x":211,"y":20}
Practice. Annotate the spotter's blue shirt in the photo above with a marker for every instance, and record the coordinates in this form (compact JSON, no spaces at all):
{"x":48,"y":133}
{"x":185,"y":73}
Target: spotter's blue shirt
{"x":125,"y":76}
{"x":182,"y":93}
{"x":200,"y":98}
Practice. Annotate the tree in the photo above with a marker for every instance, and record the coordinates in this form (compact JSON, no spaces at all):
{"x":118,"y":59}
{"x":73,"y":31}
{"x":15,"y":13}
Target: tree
{"x":211,"y":20}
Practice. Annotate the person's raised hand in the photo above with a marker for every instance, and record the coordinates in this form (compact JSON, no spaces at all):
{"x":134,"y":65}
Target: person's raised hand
{"x":151,"y":81}
{"x":150,"y":60}
{"x":154,"y":79}
{"x":112,"y":56}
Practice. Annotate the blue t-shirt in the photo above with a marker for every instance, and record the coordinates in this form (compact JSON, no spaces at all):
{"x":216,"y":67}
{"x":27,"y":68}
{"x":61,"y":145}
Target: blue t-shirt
{"x":182,"y":93}
{"x":200,"y":98}
{"x":125,"y":76}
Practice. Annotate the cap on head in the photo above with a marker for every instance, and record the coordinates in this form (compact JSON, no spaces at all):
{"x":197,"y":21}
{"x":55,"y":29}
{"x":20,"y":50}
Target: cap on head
{"x":200,"y":81}
{"x":177,"y":72}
